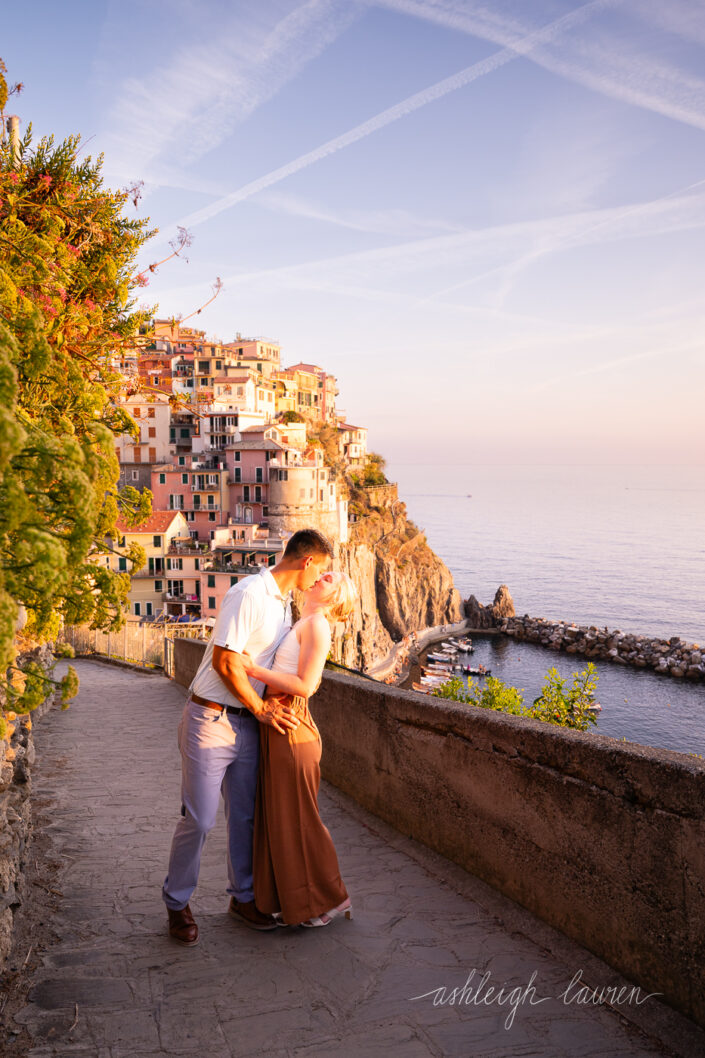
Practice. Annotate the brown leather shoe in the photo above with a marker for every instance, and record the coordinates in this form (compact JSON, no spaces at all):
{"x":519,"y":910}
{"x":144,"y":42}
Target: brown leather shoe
{"x":182,"y":926}
{"x":249,"y":914}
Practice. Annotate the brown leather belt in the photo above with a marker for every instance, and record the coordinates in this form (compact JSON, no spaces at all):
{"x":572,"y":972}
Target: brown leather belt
{"x":238,"y":710}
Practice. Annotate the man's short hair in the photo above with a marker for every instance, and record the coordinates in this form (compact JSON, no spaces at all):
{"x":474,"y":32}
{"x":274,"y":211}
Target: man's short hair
{"x":308,"y":542}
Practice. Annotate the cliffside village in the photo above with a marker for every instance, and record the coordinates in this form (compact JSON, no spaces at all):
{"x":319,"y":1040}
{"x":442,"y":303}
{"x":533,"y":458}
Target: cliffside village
{"x":232,"y":475}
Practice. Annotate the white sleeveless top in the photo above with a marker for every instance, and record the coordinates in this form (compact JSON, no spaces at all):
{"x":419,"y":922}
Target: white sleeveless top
{"x":286,"y":658}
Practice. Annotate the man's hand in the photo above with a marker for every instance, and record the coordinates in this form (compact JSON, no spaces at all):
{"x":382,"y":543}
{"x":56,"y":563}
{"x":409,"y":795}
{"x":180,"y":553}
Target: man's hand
{"x":278,"y":714}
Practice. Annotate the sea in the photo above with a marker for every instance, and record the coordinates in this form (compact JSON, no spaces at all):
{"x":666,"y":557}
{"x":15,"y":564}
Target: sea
{"x":616,"y":546}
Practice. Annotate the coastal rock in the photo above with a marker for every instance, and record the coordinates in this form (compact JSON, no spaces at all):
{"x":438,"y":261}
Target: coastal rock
{"x":501,"y":609}
{"x":404,"y":586}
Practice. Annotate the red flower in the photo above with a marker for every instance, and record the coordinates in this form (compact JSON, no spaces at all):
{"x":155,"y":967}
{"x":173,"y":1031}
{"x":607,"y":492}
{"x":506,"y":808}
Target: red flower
{"x":14,"y":177}
{"x":46,"y":180}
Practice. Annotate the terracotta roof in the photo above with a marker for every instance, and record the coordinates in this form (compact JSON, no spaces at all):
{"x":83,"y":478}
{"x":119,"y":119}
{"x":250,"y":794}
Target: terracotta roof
{"x":158,"y":522}
{"x":347,"y":426}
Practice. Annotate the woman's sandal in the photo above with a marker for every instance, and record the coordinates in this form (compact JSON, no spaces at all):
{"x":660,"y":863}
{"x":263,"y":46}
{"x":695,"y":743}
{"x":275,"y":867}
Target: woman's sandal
{"x":325,"y":919}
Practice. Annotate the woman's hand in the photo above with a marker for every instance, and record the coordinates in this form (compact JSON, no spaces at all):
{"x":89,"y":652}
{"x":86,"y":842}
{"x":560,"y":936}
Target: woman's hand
{"x":247,"y":663}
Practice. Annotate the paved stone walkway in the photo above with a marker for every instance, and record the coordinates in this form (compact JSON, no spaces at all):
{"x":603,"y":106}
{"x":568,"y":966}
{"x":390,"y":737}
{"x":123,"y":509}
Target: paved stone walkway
{"x":115,"y":986}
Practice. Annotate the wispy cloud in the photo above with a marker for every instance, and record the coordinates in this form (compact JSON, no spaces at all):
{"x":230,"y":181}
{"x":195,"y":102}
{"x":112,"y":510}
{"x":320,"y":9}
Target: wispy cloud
{"x":611,"y":66}
{"x":378,"y":222}
{"x":192,"y":102}
{"x":491,"y":253}
{"x":522,"y":46}
{"x":663,"y":349}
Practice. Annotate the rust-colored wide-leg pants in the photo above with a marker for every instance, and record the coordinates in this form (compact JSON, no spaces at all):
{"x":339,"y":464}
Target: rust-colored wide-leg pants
{"x":295,"y":865}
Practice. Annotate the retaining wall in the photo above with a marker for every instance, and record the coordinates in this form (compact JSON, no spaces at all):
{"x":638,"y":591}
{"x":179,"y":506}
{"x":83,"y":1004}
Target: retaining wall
{"x":601,"y":839}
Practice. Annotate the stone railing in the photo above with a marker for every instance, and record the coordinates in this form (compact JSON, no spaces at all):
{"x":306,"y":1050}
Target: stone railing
{"x":381,"y":495}
{"x":601,"y":839}
{"x":16,"y":760}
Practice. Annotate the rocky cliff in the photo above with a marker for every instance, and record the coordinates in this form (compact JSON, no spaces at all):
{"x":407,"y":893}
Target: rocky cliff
{"x":404,"y":587}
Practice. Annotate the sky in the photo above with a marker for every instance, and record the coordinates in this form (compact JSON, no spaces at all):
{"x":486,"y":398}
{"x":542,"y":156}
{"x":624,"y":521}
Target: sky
{"x":486,"y":219}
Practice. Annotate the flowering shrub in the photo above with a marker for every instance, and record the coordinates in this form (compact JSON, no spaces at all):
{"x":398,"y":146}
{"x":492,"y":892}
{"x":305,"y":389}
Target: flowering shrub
{"x":67,"y":274}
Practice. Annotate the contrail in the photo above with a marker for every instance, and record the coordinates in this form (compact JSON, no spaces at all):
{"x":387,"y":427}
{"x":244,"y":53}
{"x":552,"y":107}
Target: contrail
{"x":399,"y":110}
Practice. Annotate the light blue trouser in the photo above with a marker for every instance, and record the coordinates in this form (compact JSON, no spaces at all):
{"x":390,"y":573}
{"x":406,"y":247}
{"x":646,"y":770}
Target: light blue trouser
{"x":219,"y":755}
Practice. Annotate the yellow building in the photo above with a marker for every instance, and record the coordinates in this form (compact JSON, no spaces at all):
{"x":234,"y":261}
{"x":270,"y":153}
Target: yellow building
{"x":156,"y":535}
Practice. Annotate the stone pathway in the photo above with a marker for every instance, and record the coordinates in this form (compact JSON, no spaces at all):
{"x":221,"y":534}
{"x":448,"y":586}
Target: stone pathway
{"x":115,"y":986}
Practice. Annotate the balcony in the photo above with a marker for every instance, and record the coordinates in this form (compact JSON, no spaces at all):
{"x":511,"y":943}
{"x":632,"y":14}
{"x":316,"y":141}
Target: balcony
{"x":206,"y":507}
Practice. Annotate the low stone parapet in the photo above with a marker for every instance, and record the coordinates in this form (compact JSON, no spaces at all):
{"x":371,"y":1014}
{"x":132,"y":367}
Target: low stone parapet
{"x":669,"y":657}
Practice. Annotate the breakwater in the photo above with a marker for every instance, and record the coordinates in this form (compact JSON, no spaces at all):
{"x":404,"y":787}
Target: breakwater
{"x":668,"y":657}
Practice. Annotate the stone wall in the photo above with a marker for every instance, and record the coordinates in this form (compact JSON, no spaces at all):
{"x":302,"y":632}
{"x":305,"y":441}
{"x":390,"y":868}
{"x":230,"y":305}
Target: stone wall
{"x":603,"y":840}
{"x":672,"y":657}
{"x":16,"y":759}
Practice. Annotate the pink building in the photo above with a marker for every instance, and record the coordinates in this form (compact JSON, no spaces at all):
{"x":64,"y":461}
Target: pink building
{"x":199,"y":490}
{"x":233,"y":561}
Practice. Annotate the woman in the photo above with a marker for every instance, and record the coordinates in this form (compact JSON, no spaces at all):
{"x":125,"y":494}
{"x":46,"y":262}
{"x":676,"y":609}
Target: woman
{"x":296,"y":873}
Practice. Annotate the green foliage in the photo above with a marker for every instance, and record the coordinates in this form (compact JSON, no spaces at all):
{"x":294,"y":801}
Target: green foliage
{"x":292,"y":416}
{"x":67,"y":279}
{"x":567,"y":707}
{"x":374,"y":470}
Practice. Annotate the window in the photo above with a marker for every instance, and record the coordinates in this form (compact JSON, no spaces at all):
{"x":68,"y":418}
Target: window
{"x":238,"y":474}
{"x":258,"y":493}
{"x":259,"y":474}
{"x":148,"y":609}
{"x":156,"y":541}
{"x":211,"y":580}
{"x":150,"y":413}
{"x":184,"y":478}
{"x":158,"y":585}
{"x":135,"y":413}
{"x":138,"y":456}
{"x":190,"y":517}
{"x":162,"y":479}
{"x":152,"y":455}
{"x":184,"y":432}
{"x":122,"y":565}
{"x":152,"y":431}
{"x":182,"y":463}
{"x":196,"y":563}
{"x":137,"y":609}
{"x":176,"y":502}
{"x":211,"y":516}
{"x":233,"y":580}
{"x":203,"y":366}
{"x":246,"y":493}
{"x":237,"y":457}
{"x":211,"y":602}
{"x":219,"y":365}
{"x":321,"y":495}
{"x":135,"y":475}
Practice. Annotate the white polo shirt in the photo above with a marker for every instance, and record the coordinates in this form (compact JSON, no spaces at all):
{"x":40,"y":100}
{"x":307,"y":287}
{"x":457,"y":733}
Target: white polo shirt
{"x":254,"y":617}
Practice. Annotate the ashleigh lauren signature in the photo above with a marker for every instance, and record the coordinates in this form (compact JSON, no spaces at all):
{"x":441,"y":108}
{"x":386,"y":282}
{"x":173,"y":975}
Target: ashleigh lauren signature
{"x":577,"y":992}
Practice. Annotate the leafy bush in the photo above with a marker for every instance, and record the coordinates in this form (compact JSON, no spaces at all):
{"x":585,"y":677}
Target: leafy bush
{"x":557,"y":704}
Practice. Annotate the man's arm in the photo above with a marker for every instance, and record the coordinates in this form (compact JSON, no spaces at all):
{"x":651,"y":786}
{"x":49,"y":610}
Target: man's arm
{"x":229,"y":666}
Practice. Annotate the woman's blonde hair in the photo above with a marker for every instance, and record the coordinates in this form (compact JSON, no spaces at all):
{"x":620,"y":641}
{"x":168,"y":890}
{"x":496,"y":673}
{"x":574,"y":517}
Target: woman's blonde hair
{"x":343,"y":598}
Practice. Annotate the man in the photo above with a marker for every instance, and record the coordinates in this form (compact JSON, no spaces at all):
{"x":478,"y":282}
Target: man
{"x":219,"y":734}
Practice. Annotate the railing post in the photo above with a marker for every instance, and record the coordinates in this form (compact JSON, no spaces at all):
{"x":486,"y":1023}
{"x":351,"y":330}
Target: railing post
{"x":144,"y":644}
